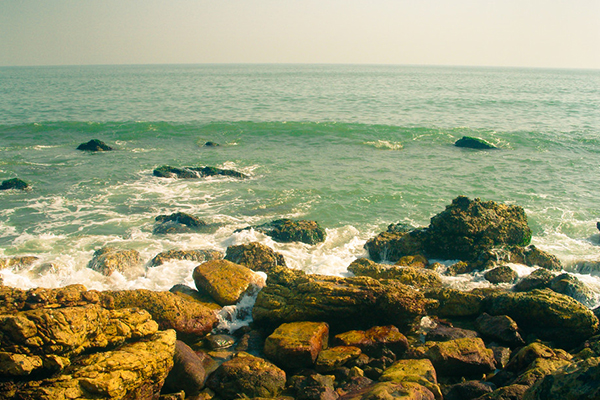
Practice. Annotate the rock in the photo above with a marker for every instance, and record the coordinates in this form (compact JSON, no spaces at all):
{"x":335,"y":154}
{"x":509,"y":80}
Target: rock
{"x":94,"y":145}
{"x":108,"y":260}
{"x":14,"y":183}
{"x":18,"y":263}
{"x":297,"y":344}
{"x":500,"y":327}
{"x":455,"y":303}
{"x":247,"y":376}
{"x":391,"y":390}
{"x":335,"y":357}
{"x":255,"y":256}
{"x":219,"y":341}
{"x":167,"y":171}
{"x":375,"y":341}
{"x":286,"y":230}
{"x":393,"y":244}
{"x":549,"y":315}
{"x":133,"y":371}
{"x":178,"y":222}
{"x":469,"y":390}
{"x":418,"y":261}
{"x":466,"y":228}
{"x":461,"y":357}
{"x":474,"y":143}
{"x":538,"y":279}
{"x":418,"y":277}
{"x":533,"y":256}
{"x":459,"y":268}
{"x":421,"y":372}
{"x":168,"y":309}
{"x":225,"y":281}
{"x":444,"y":333}
{"x":211,"y":144}
{"x":538,"y":369}
{"x":580,"y":380}
{"x":191,"y":294}
{"x":502,"y":274}
{"x":188,"y":373}
{"x":311,"y":386}
{"x":587,"y":267}
{"x":510,"y":392}
{"x":526,"y":356}
{"x":13,"y":300}
{"x":571,"y":286}
{"x":501,"y":355}
{"x":190,"y":255}
{"x":344,"y":303}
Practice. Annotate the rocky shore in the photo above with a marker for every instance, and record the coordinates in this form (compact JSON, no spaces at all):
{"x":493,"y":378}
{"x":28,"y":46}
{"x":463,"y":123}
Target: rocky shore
{"x":392,"y":330}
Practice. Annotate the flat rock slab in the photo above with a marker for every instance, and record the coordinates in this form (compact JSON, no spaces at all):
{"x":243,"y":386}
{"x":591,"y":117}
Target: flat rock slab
{"x":297,"y":344}
{"x":225,"y":281}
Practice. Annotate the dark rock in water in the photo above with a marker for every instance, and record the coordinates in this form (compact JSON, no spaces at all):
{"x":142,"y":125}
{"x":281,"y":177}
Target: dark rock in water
{"x":167,"y":171}
{"x":181,"y":218}
{"x":474,"y":143}
{"x":211,"y":144}
{"x":499,"y":327}
{"x":108,"y":260}
{"x":94,"y":145}
{"x":179,"y":222}
{"x":14,"y":183}
{"x":587,"y":267}
{"x":546,"y":314}
{"x":255,"y":256}
{"x":538,"y":279}
{"x":190,"y":255}
{"x":286,"y":230}
{"x":533,"y":256}
{"x":468,"y":228}
{"x":502,"y":274}
{"x":394,"y":244}
{"x":572,"y":287}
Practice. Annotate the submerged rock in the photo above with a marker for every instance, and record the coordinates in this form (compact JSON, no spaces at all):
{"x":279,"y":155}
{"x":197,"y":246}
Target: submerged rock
{"x":14,"y":183}
{"x":166,"y":171}
{"x":474,"y":143}
{"x":94,"y":145}
{"x":189,"y":255}
{"x":286,"y":230}
{"x":108,"y":260}
{"x":178,"y":222}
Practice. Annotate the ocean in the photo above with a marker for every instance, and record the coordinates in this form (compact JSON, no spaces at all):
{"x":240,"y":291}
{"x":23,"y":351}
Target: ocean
{"x":353,"y":147}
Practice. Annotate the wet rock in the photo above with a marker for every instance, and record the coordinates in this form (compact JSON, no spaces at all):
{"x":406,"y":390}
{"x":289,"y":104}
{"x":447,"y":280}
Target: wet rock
{"x":455,"y":303}
{"x":12,"y":299}
{"x":166,"y":171}
{"x":459,"y":268}
{"x":225,"y":281}
{"x":133,"y":371}
{"x":418,"y":277}
{"x":247,"y":376}
{"x":421,"y":372}
{"x":211,"y":144}
{"x":168,"y":309}
{"x":189,"y":255}
{"x":193,"y":295}
{"x":108,"y":260}
{"x":188,"y":372}
{"x":571,"y":286}
{"x":500,"y":327}
{"x":94,"y":145}
{"x":461,"y":357}
{"x":335,"y":357}
{"x":391,"y":390}
{"x":538,"y":369}
{"x":286,"y":230}
{"x":344,"y":303}
{"x":219,"y":341}
{"x":444,"y":333}
{"x":549,"y":315}
{"x":178,"y":222}
{"x":297,"y":344}
{"x":467,"y":228}
{"x":474,"y":143}
{"x":468,"y":390}
{"x":18,"y":262}
{"x":393,"y":244}
{"x":586,"y":267}
{"x":533,"y":256}
{"x":580,"y":380}
{"x":538,"y":279}
{"x":502,"y":274}
{"x":418,"y":261}
{"x":255,"y":256}
{"x":14,"y":183}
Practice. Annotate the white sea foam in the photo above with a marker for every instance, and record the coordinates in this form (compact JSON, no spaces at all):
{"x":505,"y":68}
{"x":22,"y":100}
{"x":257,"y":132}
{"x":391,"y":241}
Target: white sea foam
{"x":385,"y":145}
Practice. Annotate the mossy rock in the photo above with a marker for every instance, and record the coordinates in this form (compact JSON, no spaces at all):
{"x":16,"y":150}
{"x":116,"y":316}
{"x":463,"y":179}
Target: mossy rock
{"x":335,"y":357}
{"x":297,"y":344}
{"x":189,"y":255}
{"x":455,"y":303}
{"x":417,"y":371}
{"x":17,"y":262}
{"x":393,"y":244}
{"x":502,"y":274}
{"x":14,"y":183}
{"x":109,"y":259}
{"x":286,"y":230}
{"x":461,"y":357}
{"x":375,"y":341}
{"x":255,"y":256}
{"x":580,"y":380}
{"x":418,"y":277}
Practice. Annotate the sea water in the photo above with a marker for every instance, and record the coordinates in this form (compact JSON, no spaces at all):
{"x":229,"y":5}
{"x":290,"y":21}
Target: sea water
{"x":353,"y":147}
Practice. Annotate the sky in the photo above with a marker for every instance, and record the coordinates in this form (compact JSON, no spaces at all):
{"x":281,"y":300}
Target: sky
{"x":522,"y":33}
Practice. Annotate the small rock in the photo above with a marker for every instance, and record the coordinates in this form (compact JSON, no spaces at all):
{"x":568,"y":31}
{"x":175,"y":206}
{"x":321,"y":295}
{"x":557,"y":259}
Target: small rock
{"x":286,"y":230}
{"x":474,"y":143}
{"x":94,"y":145}
{"x":297,"y":344}
{"x":461,"y":357}
{"x":14,"y":183}
{"x":500,"y":327}
{"x":335,"y":357}
{"x":502,"y":274}
{"x":538,"y":279}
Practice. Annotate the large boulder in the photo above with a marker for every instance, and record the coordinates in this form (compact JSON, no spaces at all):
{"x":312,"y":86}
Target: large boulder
{"x":168,"y":309}
{"x":394,"y":244}
{"x":189,"y":255}
{"x":247,"y":376}
{"x":548,"y":315}
{"x":461,"y":357}
{"x":419,"y":277}
{"x":297,"y":344}
{"x":109,"y":259}
{"x":94,"y":145}
{"x":467,"y":228}
{"x":474,"y":143}
{"x":344,"y":303}
{"x":255,"y":256}
{"x":225,"y":281}
{"x":14,"y":183}
{"x":166,"y":171}
{"x":580,"y":380}
{"x":287,"y":230}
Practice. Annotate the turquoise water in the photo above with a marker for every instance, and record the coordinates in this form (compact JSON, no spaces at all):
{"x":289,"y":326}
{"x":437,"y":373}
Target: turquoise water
{"x":353,"y":147}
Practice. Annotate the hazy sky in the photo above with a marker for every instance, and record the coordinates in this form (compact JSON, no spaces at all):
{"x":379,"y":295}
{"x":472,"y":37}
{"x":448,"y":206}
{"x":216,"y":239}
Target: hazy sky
{"x":531,"y":33}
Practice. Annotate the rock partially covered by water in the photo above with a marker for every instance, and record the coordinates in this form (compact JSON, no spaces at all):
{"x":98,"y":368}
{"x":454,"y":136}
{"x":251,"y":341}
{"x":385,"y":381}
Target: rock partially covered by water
{"x":344,"y":303}
{"x":189,"y":255}
{"x":94,"y":145}
{"x":394,"y":244}
{"x":468,"y":228}
{"x":287,"y":230}
{"x":533,"y":256}
{"x":474,"y":143}
{"x":548,"y":315}
{"x":17,"y":262}
{"x":14,"y":183}
{"x":501,"y":274}
{"x":255,"y":256}
{"x":225,"y":281}
{"x":538,"y":279}
{"x":247,"y":376}
{"x":297,"y":344}
{"x":166,"y":171}
{"x":109,"y":259}
{"x":419,"y":277}
{"x":178,"y":222}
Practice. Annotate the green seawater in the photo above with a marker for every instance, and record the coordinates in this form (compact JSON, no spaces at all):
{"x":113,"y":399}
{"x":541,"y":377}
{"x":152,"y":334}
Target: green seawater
{"x":354,"y":147}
